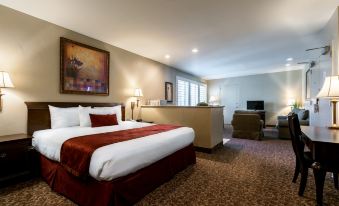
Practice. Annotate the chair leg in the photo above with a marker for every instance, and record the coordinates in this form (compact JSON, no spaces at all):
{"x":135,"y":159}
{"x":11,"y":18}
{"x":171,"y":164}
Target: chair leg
{"x":319,"y":176}
{"x":303,"y":181}
{"x":335,"y":179}
{"x":296,"y":171}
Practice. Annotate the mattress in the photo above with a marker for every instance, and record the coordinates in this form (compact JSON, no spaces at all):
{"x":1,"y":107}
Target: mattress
{"x":119,"y":159}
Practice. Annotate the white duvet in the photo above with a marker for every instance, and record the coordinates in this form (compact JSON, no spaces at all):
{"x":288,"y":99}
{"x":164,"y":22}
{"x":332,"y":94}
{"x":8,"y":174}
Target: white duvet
{"x":119,"y":159}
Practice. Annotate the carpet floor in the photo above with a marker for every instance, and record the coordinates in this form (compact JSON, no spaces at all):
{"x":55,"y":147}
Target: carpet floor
{"x":243,"y":172}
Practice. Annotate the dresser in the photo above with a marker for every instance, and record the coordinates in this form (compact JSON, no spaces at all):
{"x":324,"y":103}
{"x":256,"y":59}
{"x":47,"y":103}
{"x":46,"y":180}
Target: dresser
{"x":17,"y":158}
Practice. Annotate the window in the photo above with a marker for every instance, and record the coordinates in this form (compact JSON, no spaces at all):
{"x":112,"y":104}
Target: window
{"x":203,"y":93}
{"x":189,"y":92}
{"x":182,"y":92}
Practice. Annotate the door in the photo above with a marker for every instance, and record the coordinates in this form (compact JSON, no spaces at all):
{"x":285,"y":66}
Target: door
{"x":230,"y":99}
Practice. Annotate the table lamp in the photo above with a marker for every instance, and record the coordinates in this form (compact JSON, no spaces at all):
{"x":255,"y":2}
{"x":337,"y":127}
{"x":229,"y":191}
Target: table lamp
{"x":137,"y":94}
{"x":5,"y":82}
{"x":212,"y":100}
{"x":291,"y":103}
{"x":330,"y":90}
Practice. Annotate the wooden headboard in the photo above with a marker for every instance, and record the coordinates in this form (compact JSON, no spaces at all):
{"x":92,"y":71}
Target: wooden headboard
{"x":39,"y":117}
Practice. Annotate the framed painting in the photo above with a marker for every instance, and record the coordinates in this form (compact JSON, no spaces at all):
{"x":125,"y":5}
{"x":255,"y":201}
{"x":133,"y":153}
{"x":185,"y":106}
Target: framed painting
{"x":83,"y":69}
{"x":169,"y":91}
{"x":308,"y":84}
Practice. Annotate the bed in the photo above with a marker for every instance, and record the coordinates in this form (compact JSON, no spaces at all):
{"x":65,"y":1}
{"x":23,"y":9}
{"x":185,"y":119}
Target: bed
{"x":120,"y":173}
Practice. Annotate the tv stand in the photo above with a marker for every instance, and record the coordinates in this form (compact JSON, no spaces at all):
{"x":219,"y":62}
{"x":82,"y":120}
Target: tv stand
{"x":261,"y":113}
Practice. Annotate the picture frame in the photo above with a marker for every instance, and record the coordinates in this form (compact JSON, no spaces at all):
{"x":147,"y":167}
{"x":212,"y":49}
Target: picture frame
{"x":308,"y":86}
{"x":169,"y":92}
{"x":83,"y":69}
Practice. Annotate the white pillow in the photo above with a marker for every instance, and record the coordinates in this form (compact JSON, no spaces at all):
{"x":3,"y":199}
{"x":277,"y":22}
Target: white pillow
{"x":64,"y":117}
{"x":112,"y":110}
{"x":85,"y":120}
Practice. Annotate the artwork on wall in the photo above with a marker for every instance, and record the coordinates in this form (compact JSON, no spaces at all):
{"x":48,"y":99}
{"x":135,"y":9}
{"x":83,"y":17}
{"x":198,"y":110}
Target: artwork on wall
{"x":308,"y":84}
{"x":83,"y":69}
{"x":169,"y":91}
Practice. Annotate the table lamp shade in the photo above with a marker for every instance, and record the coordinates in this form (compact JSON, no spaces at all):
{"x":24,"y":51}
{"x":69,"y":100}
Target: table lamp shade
{"x":138,"y":93}
{"x":330,"y":88}
{"x":5,"y":80}
{"x":290,"y":102}
{"x":213,"y":99}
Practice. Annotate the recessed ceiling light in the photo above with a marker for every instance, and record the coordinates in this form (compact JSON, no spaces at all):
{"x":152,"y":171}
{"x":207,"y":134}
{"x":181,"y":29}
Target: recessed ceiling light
{"x":195,"y":50}
{"x":167,"y":56}
{"x":287,"y":65}
{"x":289,"y":59}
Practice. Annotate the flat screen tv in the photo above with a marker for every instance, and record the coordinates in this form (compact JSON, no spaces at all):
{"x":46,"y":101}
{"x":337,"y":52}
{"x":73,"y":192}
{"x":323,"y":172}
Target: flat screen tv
{"x":255,"y":105}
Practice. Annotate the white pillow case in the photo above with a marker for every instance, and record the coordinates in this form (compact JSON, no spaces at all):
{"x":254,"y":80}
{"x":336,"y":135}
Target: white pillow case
{"x":85,"y":120}
{"x":64,"y":117}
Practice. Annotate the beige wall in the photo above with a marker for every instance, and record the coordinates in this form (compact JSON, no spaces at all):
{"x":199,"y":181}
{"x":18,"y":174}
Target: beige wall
{"x":29,"y":51}
{"x":274,"y":88}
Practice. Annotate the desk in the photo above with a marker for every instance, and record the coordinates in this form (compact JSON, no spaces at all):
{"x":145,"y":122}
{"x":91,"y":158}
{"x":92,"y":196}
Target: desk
{"x":324,"y":146}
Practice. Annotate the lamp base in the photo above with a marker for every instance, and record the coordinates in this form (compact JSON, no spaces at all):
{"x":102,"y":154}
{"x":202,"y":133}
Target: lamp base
{"x":333,"y":127}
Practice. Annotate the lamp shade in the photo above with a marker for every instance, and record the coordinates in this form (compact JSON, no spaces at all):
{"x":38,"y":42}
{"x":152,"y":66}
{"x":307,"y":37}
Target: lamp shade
{"x":330,"y":88}
{"x":290,"y":102}
{"x":138,"y":92}
{"x":5,"y":80}
{"x":213,"y":99}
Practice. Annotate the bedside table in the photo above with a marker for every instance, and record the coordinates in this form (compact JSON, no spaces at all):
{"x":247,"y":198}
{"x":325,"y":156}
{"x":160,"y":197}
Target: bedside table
{"x":17,"y":160}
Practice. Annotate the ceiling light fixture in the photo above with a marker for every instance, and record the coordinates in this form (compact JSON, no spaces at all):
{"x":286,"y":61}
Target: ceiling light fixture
{"x":167,"y":56}
{"x":195,"y":50}
{"x":287,"y":65}
{"x":289,"y":59}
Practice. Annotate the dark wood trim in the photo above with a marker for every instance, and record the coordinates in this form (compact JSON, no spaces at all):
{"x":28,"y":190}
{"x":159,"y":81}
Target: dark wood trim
{"x":62,"y":89}
{"x":208,"y":150}
{"x":39,"y":117}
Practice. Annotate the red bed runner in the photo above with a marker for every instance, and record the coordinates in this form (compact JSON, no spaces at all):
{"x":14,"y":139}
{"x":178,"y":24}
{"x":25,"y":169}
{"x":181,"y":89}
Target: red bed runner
{"x":76,"y":153}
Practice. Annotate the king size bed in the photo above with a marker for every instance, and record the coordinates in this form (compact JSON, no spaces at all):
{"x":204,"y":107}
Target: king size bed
{"x":107,"y":165}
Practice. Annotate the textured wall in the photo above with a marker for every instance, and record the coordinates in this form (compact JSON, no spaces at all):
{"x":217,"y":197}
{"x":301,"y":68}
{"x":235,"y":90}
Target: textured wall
{"x":29,"y":51}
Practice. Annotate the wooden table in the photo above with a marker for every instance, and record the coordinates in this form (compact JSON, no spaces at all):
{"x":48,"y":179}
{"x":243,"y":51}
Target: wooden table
{"x":324,"y":146}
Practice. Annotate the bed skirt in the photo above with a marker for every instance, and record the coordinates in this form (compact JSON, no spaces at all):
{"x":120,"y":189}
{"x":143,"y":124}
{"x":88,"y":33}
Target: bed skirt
{"x":126,"y":190}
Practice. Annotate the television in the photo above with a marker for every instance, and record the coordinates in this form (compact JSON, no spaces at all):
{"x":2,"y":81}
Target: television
{"x":255,"y":105}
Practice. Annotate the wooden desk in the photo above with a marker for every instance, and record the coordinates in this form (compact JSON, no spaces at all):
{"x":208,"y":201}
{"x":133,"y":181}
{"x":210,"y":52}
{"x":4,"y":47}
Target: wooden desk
{"x":324,"y":145}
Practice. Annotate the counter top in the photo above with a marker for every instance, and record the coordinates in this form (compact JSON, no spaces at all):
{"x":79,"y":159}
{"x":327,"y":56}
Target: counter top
{"x":175,"y":106}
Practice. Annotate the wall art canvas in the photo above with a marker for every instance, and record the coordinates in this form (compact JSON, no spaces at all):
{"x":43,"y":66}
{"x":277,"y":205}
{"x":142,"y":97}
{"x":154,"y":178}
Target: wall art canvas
{"x":84,"y":69}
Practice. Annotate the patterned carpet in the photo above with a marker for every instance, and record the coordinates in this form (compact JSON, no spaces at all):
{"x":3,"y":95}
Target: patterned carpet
{"x":243,"y":172}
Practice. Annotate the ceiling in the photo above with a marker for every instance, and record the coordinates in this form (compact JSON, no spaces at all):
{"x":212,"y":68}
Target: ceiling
{"x":234,"y":37}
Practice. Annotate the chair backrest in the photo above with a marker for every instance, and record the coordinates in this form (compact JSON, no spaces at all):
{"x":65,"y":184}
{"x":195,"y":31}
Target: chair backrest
{"x":295,"y":132}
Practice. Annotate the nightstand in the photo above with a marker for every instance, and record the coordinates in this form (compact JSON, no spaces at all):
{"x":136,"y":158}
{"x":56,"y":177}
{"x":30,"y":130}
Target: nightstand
{"x":17,"y":158}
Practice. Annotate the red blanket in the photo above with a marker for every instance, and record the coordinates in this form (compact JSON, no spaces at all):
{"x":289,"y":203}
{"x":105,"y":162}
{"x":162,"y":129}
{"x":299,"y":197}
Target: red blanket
{"x":76,"y":153}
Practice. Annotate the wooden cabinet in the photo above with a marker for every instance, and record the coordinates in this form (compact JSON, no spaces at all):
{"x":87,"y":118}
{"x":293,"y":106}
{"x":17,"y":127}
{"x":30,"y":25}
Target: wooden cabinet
{"x":17,"y":158}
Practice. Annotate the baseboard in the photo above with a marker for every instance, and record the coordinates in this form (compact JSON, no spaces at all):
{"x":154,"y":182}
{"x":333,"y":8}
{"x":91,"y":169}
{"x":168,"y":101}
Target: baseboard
{"x":208,"y":150}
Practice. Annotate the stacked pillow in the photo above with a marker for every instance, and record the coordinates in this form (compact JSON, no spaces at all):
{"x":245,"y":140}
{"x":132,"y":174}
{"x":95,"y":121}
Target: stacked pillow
{"x":80,"y":116}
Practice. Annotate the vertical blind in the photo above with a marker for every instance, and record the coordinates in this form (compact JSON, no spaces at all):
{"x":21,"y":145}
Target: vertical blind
{"x":203,"y":93}
{"x":190,"y":93}
{"x":194,"y":94}
{"x":182,"y":92}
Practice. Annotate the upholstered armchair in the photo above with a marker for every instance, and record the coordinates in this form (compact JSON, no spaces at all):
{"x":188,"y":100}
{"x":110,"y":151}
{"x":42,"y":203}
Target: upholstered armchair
{"x":282,"y":124}
{"x":247,"y":126}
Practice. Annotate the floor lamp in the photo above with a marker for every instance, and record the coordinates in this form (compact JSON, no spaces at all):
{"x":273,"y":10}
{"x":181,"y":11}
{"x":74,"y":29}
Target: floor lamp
{"x":330,"y":90}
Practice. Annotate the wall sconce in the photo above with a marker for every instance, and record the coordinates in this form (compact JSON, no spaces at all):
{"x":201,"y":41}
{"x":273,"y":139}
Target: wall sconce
{"x":137,"y":94}
{"x":5,"y":82}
